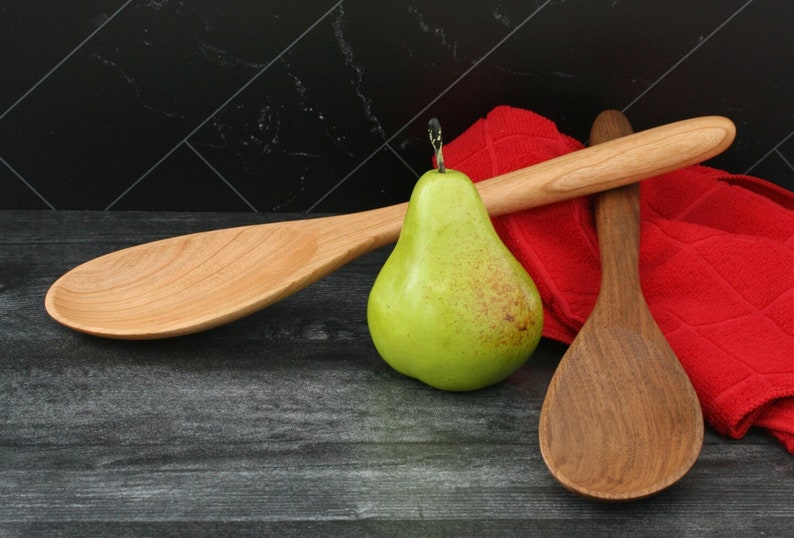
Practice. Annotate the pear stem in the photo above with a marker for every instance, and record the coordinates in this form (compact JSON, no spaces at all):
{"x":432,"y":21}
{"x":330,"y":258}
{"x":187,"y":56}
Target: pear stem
{"x":434,"y":130}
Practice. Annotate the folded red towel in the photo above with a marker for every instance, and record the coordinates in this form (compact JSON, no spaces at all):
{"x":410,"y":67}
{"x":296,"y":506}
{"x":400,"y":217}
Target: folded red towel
{"x":716,"y":265}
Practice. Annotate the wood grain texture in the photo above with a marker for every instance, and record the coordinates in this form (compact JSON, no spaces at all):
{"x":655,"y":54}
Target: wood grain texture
{"x":191,"y":283}
{"x":287,"y":423}
{"x":621,"y":420}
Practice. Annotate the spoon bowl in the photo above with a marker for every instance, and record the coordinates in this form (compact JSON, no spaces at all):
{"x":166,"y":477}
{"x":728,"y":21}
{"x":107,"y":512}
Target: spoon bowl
{"x":190,"y":283}
{"x":621,"y":420}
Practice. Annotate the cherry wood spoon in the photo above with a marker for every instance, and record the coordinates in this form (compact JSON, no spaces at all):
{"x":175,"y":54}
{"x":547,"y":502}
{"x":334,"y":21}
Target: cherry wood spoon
{"x":193,"y":282}
{"x":621,"y":420}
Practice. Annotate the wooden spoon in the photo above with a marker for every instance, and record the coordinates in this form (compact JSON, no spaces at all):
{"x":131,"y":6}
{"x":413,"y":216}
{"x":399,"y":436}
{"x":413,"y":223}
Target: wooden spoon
{"x":621,"y":420}
{"x":194,"y":282}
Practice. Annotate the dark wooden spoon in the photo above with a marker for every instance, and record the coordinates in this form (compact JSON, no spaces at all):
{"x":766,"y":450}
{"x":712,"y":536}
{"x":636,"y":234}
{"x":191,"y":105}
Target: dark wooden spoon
{"x":621,"y":420}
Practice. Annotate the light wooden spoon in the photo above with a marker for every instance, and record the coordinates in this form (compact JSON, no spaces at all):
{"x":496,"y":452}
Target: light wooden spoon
{"x":189,"y":283}
{"x":621,"y":420}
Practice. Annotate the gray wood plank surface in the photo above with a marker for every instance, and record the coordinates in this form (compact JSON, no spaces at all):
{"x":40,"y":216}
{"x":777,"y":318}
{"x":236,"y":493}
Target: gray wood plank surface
{"x":288,"y":423}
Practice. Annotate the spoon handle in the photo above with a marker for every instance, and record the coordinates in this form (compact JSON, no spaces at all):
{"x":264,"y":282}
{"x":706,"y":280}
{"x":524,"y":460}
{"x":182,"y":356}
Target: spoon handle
{"x":604,"y":166}
{"x":617,"y":218}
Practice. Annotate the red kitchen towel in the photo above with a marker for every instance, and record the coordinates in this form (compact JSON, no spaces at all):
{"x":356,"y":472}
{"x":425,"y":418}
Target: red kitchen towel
{"x":716,"y":266}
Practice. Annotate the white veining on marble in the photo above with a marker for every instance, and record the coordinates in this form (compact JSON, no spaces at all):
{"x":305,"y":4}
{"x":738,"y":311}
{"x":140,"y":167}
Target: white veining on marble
{"x":358,"y":73}
{"x":500,"y":15}
{"x":307,"y":105}
{"x":226,"y":58}
{"x":437,"y":32}
{"x":294,"y":190}
{"x":135,"y":88}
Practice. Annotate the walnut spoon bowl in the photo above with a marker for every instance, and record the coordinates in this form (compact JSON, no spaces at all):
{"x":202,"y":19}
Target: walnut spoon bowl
{"x":194,"y":282}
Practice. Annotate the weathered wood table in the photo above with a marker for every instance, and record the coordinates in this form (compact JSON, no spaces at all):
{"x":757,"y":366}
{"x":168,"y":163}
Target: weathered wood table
{"x":288,"y":423}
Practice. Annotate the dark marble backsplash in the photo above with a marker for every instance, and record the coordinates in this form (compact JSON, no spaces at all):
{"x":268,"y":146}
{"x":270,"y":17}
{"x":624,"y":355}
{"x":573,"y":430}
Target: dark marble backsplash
{"x":253,"y":105}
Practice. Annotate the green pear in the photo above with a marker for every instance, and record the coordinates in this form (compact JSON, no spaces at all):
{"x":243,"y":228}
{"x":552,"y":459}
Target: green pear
{"x":451,"y":306}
